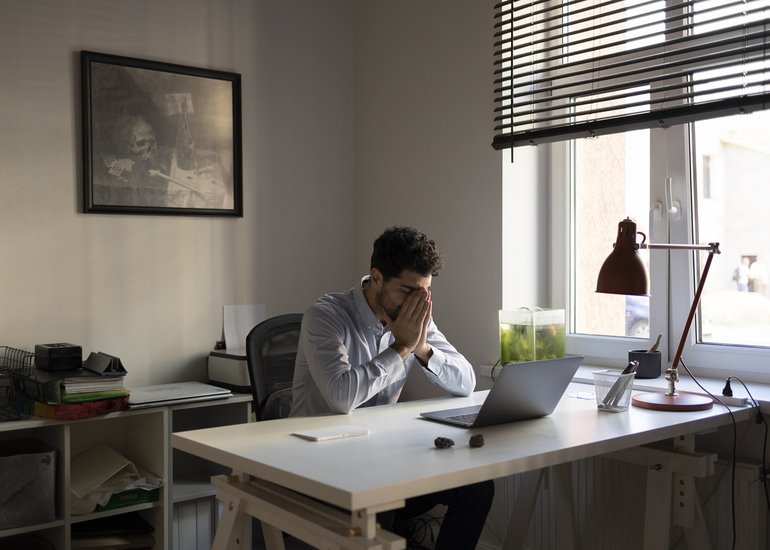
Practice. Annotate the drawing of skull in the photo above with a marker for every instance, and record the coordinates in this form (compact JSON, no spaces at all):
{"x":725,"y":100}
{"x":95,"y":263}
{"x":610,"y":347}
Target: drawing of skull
{"x":141,"y":141}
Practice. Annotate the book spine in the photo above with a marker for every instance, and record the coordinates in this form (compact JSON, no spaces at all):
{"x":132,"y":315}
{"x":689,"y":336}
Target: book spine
{"x":75,"y":411}
{"x":93,"y":396}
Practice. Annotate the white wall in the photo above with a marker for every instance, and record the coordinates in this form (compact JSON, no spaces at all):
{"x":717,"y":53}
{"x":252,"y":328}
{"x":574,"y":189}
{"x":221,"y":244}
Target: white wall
{"x":150,"y":289}
{"x":356,"y":115}
{"x":423,"y":153}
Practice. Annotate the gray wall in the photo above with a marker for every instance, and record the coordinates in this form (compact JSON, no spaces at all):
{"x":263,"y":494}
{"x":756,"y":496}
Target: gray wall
{"x":356,"y":115}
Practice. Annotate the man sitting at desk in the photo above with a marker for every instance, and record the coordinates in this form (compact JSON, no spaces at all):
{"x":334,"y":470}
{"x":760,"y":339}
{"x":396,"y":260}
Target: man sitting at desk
{"x":357,"y":347}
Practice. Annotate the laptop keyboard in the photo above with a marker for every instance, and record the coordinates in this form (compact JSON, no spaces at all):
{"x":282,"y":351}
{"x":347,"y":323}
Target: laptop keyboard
{"x":465,"y":418}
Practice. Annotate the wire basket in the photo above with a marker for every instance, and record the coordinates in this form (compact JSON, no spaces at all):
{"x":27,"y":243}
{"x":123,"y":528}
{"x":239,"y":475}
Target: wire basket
{"x":14,"y":405}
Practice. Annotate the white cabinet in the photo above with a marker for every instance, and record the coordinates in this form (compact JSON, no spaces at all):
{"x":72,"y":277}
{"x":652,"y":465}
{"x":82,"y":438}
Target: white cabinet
{"x":142,"y":436}
{"x":193,"y":499}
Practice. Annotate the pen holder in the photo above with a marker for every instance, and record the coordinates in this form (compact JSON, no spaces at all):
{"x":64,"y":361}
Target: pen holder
{"x":613,"y":390}
{"x":649,"y":363}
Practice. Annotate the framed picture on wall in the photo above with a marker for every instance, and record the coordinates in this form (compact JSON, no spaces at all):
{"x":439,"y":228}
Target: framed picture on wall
{"x":160,"y":138}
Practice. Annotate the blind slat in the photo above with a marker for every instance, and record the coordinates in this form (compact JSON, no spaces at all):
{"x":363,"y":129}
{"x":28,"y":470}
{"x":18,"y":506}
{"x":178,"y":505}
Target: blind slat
{"x":580,"y":115}
{"x":593,"y":67}
{"x":544,"y":53}
{"x":655,"y":70}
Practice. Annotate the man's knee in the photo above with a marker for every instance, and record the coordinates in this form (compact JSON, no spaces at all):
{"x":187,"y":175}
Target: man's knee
{"x":476,"y":495}
{"x":484,"y":491}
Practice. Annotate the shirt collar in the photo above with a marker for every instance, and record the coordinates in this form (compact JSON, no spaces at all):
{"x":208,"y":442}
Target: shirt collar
{"x":362,"y":306}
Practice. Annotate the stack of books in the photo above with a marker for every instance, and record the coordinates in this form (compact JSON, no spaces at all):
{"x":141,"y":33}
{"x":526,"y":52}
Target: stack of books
{"x":77,"y":393}
{"x":69,"y":386}
{"x":84,"y":385}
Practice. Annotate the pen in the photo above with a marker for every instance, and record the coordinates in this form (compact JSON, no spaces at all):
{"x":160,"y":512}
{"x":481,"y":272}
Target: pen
{"x":618,"y":388}
{"x":631,"y":367}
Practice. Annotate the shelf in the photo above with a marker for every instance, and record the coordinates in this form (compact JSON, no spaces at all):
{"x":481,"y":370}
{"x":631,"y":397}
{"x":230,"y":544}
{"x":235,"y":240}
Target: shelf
{"x":192,"y":487}
{"x":30,"y":529}
{"x":234,"y":399}
{"x":116,"y":511}
{"x":143,"y":437}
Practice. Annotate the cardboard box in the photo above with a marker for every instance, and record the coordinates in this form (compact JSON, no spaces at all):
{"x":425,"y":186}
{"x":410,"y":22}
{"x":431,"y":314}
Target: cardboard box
{"x":129,"y":498}
{"x":27,"y":483}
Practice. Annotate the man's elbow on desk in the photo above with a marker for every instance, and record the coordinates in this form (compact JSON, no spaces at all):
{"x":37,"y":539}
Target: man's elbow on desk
{"x":340,"y":402}
{"x":340,"y":408}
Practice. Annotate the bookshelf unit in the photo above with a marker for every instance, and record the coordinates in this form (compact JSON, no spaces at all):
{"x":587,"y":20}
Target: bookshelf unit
{"x":142,"y":436}
{"x":193,"y":502}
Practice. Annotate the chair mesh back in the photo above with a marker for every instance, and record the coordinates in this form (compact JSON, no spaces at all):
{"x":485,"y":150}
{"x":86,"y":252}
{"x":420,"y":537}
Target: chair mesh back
{"x":271,"y":348}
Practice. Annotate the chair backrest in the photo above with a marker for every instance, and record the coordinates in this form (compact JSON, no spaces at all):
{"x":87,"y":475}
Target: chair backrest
{"x":271,"y":348}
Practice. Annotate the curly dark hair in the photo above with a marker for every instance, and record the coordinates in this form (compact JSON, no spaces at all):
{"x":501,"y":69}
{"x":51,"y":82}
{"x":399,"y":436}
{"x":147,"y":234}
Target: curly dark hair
{"x":400,"y":248}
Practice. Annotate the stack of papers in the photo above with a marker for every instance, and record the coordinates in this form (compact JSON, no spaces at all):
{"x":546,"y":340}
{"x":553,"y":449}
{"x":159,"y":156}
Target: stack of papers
{"x":90,"y":387}
{"x":90,"y":383}
{"x":72,"y":386}
{"x":101,"y":472}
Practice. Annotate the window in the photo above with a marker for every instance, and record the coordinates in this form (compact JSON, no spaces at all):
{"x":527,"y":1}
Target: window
{"x":705,"y":176}
{"x":736,"y":308}
{"x":609,"y":179}
{"x":631,"y":174}
{"x":682,"y":182}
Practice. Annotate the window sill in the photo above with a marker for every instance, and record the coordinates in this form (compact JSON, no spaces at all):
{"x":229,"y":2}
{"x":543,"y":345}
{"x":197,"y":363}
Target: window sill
{"x":760,"y":392}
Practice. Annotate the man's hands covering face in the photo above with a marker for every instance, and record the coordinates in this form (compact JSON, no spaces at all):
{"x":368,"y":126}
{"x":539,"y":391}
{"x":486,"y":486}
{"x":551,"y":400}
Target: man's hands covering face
{"x":410,"y":328}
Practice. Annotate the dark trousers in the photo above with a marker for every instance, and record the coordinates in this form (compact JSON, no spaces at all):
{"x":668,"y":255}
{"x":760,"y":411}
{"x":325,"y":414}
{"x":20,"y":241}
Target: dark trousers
{"x":467,"y":509}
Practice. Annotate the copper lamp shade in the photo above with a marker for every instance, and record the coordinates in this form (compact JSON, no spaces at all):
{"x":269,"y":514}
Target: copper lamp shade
{"x":623,"y":271}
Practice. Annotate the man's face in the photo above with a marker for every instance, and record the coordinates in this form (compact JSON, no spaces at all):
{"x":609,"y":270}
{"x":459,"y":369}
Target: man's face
{"x":393,"y":293}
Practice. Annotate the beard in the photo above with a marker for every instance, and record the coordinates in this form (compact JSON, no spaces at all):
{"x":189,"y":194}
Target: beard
{"x":390,"y":310}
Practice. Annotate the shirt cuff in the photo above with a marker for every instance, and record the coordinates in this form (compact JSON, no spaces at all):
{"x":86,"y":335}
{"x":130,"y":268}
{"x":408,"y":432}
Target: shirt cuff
{"x":426,"y":365}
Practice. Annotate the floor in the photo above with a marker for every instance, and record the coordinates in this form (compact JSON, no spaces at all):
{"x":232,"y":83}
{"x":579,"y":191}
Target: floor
{"x":258,"y":542}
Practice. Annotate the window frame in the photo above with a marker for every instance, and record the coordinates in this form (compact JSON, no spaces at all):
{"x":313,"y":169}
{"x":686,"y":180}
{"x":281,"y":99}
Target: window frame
{"x":672,"y":273}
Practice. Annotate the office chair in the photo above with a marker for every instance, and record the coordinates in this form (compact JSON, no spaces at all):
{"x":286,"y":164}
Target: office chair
{"x":271,"y":348}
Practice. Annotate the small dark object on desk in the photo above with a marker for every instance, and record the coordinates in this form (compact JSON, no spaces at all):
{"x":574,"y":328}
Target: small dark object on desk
{"x":476,"y":441}
{"x":443,"y":442}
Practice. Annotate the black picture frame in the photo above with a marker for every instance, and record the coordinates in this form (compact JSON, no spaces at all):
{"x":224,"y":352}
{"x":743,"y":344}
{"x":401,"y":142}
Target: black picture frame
{"x":160,"y":138}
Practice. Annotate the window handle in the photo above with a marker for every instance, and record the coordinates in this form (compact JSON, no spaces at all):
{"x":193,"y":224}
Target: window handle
{"x":672,"y":206}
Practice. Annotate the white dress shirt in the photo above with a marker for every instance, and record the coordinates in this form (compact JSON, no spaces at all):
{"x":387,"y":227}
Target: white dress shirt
{"x":345,"y":361}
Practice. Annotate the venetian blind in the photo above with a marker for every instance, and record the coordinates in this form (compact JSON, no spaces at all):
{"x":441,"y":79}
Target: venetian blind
{"x":583,"y":68}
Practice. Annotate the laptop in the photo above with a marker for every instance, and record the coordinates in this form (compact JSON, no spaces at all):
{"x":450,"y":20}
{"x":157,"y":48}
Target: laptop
{"x":521,"y":391}
{"x":171,"y":394}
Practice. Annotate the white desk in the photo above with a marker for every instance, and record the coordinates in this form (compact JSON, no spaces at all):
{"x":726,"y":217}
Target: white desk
{"x":398,"y":460}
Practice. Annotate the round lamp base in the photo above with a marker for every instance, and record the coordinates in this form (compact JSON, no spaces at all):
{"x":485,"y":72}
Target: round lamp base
{"x":682,"y":402}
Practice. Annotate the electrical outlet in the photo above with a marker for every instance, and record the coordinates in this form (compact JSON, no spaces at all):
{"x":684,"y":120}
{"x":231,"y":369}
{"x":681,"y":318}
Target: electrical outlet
{"x":733,"y":401}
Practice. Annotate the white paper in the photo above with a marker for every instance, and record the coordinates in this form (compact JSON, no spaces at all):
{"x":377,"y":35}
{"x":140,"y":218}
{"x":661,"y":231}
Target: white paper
{"x":238,"y":320}
{"x":96,"y":466}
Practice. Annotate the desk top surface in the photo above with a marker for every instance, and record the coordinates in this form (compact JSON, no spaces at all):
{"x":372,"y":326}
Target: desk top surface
{"x":398,"y":459}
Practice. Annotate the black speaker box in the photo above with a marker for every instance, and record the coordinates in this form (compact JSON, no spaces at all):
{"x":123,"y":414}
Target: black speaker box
{"x":58,"y":356}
